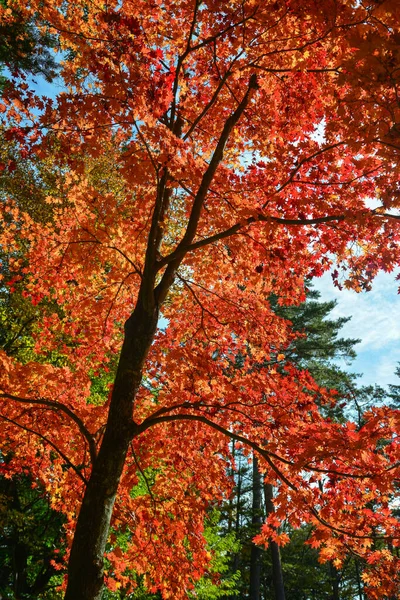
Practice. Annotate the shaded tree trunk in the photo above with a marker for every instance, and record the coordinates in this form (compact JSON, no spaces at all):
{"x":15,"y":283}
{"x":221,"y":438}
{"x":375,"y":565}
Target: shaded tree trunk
{"x":256,"y":521}
{"x":237,"y":516}
{"x":231,"y":497}
{"x":335,"y":581}
{"x":277,"y":574}
{"x":20,"y":560}
{"x":358,"y":577}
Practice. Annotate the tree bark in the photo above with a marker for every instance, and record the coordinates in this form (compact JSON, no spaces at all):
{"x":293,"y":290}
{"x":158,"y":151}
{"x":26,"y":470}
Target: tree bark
{"x":277,"y":574}
{"x":234,"y":522}
{"x":85,"y":569}
{"x":359,"y":587}
{"x":237,"y":515}
{"x":335,"y":581}
{"x":256,"y":521}
{"x":231,"y":497}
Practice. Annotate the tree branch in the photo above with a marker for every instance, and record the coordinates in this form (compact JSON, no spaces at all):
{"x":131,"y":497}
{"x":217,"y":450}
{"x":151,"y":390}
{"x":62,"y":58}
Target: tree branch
{"x":180,"y":63}
{"x":302,"y":162}
{"x":262,"y":452}
{"x":147,"y":423}
{"x":45,"y":439}
{"x":238,"y":227}
{"x":200,"y":197}
{"x":63,"y":408}
{"x":180,"y":252}
{"x":208,"y":105}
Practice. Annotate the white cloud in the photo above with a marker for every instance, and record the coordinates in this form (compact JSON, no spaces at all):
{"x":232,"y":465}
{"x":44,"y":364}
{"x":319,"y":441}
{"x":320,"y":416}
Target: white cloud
{"x":375,"y":320}
{"x":386,"y":368}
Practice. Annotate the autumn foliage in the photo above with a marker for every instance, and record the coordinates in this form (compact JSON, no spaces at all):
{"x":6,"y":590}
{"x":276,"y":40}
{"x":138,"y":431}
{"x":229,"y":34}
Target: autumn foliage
{"x":205,"y":155}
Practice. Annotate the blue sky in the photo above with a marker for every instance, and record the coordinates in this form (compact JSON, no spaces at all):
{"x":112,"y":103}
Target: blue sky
{"x":375,"y":320}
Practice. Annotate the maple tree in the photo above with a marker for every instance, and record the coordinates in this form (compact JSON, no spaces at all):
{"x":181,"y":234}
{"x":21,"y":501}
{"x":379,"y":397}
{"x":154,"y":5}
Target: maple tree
{"x":209,"y":155}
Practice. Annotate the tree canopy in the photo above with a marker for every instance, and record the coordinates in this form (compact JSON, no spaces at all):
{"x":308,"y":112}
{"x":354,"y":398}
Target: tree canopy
{"x":206,"y":157}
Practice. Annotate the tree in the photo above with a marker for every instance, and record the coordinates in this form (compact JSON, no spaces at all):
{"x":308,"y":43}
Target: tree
{"x":222,"y":583}
{"x":318,"y":345}
{"x":248,"y":140}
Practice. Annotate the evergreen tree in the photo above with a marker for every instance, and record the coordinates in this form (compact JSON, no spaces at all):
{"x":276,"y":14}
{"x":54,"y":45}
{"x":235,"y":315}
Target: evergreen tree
{"x":23,"y":49}
{"x":264,"y":575}
{"x":394,"y":391}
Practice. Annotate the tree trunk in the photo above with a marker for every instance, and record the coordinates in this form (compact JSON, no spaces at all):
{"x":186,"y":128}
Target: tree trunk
{"x":335,"y":581}
{"x":85,"y":569}
{"x":256,"y":521}
{"x":20,"y":566}
{"x":277,"y":574}
{"x":231,"y":497}
{"x":235,"y":562}
{"x":359,"y":586}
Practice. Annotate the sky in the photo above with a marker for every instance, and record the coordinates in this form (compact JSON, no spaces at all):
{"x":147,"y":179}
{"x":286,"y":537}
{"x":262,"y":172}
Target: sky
{"x":375,"y":321}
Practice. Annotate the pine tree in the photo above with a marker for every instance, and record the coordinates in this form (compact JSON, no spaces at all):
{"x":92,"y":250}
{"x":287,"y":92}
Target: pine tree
{"x":316,"y":348}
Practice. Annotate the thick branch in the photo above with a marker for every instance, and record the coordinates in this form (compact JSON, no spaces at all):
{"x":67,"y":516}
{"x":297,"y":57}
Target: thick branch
{"x":238,"y":227}
{"x":180,"y":252}
{"x":200,"y":197}
{"x":234,"y":436}
{"x":154,"y":238}
{"x":306,"y":467}
{"x":261,"y":451}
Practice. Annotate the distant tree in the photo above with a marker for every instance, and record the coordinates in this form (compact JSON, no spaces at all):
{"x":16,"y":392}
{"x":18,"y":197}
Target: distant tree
{"x":394,"y":390}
